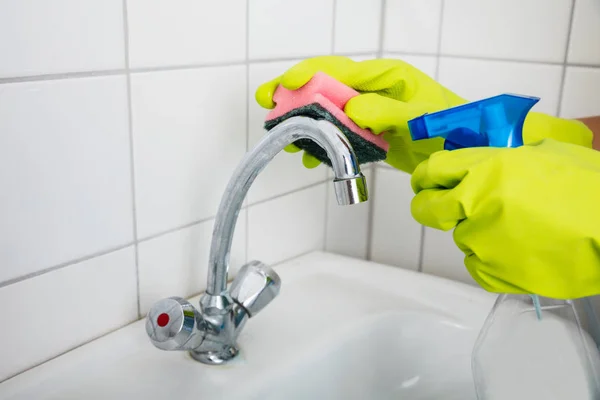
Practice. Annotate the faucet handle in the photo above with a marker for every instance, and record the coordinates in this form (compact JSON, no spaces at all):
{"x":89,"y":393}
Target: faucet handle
{"x":174,"y":324}
{"x":255,"y":286}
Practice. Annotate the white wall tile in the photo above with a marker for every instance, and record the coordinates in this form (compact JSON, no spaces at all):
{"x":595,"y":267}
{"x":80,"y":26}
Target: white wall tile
{"x":426,"y":64}
{"x":581,"y":95}
{"x":443,"y":258}
{"x":176,"y":264}
{"x":396,"y":235}
{"x":47,"y":37}
{"x":357,"y":25}
{"x":183,"y":32}
{"x":584,"y":46}
{"x":513,"y":29}
{"x":280,"y":28}
{"x":64,"y":172}
{"x":347,"y":230}
{"x":51,"y":313}
{"x":287,"y":226}
{"x":189,"y":135}
{"x":412,"y":25}
{"x":477,"y":79}
{"x":286,"y":172}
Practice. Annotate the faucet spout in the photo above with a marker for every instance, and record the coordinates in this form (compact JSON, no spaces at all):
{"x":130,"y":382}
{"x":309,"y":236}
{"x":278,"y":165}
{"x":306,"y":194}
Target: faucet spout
{"x":210,"y":333}
{"x":349,"y":183}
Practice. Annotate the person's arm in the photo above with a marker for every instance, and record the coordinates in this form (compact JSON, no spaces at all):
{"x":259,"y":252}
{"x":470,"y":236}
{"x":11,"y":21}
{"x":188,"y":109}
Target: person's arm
{"x":594,"y":124}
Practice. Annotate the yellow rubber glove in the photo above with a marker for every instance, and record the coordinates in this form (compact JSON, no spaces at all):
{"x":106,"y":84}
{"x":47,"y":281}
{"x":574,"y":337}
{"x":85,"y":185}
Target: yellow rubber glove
{"x":527,"y":219}
{"x":395,"y":92}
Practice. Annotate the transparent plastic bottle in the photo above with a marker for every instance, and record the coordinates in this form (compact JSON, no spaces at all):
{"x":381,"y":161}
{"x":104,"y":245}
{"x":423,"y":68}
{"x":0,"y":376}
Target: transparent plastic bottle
{"x":522,"y":353}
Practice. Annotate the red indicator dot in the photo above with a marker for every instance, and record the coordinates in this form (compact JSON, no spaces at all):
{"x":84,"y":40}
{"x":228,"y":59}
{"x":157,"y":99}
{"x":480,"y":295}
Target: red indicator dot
{"x":162,"y":320}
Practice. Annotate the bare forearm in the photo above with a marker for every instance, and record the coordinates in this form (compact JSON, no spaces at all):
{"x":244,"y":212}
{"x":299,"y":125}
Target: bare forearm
{"x":593,"y":123}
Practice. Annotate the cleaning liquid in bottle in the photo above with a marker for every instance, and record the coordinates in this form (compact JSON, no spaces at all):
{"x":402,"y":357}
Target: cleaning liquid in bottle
{"x":529,"y":347}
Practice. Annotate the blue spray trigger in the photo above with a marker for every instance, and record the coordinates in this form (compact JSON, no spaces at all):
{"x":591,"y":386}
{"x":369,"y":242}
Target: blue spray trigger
{"x":496,"y":122}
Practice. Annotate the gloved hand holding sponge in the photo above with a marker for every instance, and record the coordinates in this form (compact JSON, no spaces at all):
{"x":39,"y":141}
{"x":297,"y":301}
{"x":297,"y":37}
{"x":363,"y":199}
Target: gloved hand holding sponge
{"x":394,"y":92}
{"x":527,"y":218}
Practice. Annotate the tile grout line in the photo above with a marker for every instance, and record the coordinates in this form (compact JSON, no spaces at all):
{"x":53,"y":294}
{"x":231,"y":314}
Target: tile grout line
{"x":127,"y":324}
{"x":247,"y":55}
{"x":372,"y":194}
{"x":438,"y":56}
{"x":565,"y":59}
{"x":63,"y":75}
{"x":177,"y":228}
{"x":131,"y":158}
{"x":247,"y":63}
{"x":371,"y":212}
{"x":492,"y":59}
{"x":381,"y":28}
{"x":309,"y":186}
{"x":327,"y":187}
{"x":147,"y":238}
{"x":53,"y":268}
{"x":326,"y":219}
{"x":113,"y":72}
{"x":70,"y":350}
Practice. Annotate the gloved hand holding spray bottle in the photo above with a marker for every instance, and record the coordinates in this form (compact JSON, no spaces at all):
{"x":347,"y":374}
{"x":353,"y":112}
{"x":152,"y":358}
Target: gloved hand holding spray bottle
{"x":534,"y":200}
{"x":502,"y":351}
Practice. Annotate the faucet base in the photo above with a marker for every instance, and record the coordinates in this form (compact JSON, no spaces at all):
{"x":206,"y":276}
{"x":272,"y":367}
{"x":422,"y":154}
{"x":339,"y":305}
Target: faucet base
{"x":215,"y":357}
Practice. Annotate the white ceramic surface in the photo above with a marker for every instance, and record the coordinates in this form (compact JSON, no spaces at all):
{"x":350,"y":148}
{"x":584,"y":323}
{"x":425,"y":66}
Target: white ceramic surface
{"x":279,"y":28}
{"x":184,"y":32}
{"x":341,"y":328}
{"x":583,"y":46}
{"x":357,"y":26}
{"x":412,"y":26}
{"x":64,"y":172}
{"x":40,"y":37}
{"x":512,"y":29}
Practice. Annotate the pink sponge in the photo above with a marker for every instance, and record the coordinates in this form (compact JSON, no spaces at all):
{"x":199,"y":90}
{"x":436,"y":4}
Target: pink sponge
{"x":323,"y":97}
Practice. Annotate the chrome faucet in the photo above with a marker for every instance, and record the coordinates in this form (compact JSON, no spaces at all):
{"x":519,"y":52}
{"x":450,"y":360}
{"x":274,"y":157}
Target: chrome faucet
{"x":210,"y":333}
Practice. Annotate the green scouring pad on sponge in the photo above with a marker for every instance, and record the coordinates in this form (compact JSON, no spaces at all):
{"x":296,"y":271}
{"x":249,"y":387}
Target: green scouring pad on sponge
{"x":324,"y":98}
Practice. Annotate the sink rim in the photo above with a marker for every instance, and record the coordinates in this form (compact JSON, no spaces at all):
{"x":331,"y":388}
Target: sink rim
{"x":131,"y":340}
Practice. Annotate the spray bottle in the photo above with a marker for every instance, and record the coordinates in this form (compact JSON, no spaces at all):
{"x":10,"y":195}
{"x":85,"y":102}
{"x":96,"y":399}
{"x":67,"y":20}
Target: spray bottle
{"x":528,"y":343}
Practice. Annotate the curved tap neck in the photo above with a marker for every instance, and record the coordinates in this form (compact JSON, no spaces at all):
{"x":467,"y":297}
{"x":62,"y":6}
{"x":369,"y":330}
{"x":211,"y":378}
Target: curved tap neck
{"x":350,"y":186}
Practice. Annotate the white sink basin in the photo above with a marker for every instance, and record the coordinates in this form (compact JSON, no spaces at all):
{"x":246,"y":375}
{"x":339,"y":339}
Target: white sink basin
{"x":340,"y":329}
